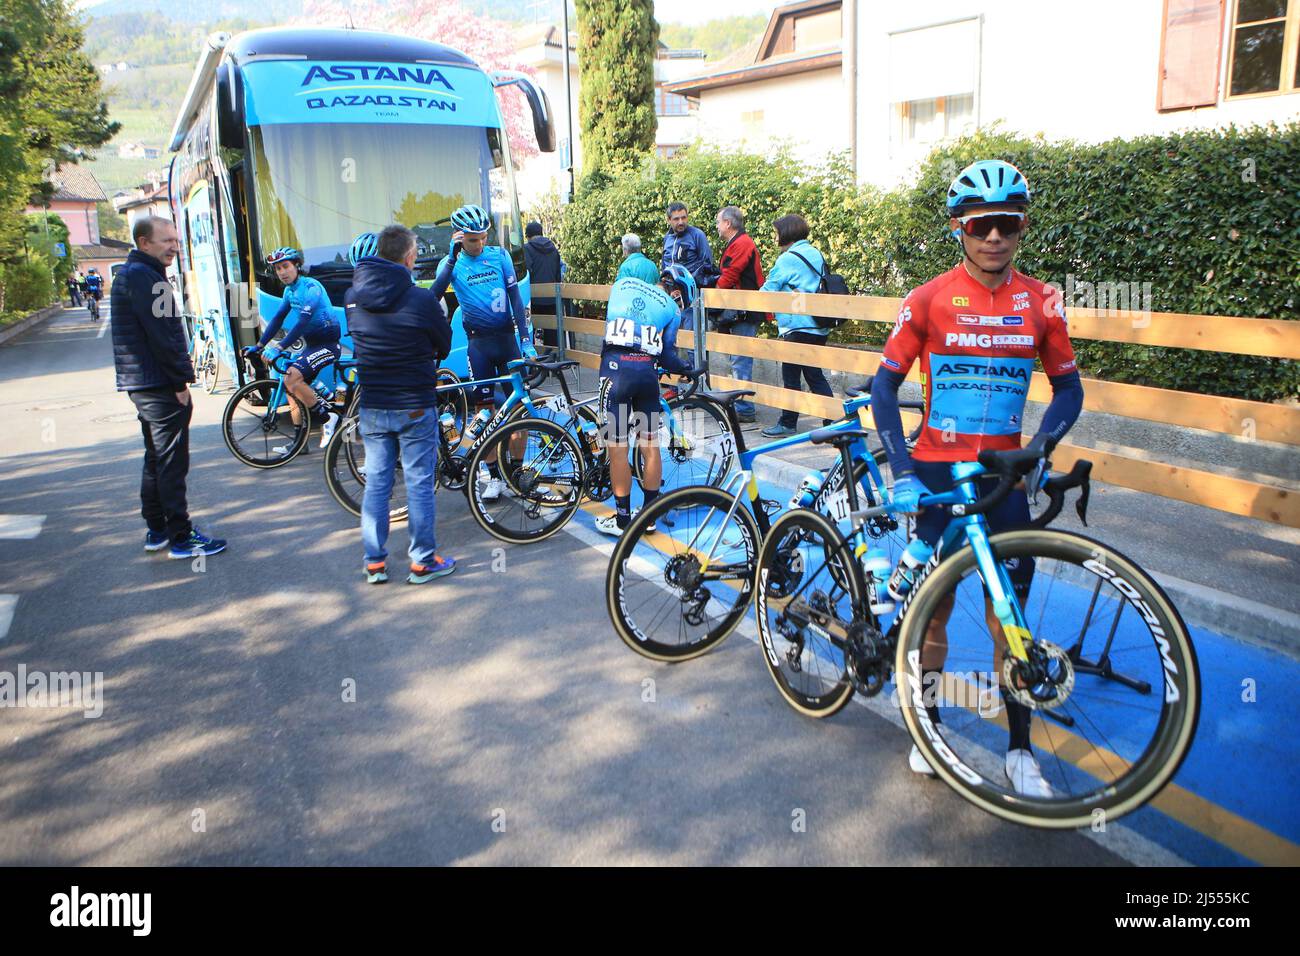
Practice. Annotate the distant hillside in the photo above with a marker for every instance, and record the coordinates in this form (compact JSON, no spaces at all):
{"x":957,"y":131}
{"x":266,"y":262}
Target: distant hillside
{"x":718,"y":38}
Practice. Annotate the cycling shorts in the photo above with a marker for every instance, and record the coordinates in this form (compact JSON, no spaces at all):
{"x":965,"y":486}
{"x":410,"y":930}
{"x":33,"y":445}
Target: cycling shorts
{"x":629,"y":394}
{"x":310,"y":361}
{"x":488,"y":357}
{"x":1011,"y":513}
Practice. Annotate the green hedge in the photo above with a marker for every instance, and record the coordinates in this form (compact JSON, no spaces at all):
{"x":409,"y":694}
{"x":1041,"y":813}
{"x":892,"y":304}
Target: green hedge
{"x":27,"y":286}
{"x":1208,"y":222}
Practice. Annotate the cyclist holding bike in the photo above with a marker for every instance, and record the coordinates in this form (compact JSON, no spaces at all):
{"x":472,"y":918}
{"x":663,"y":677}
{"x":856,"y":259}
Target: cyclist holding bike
{"x":976,"y":330}
{"x":94,"y":292}
{"x":492,"y":311}
{"x":315,"y":325}
{"x":640,"y":333}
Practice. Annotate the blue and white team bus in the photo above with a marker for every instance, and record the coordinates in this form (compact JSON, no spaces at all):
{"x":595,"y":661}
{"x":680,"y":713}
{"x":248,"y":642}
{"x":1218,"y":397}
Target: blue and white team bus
{"x":309,"y":137}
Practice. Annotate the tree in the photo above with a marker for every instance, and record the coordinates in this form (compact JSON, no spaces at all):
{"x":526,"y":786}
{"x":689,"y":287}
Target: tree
{"x":617,"y":40}
{"x":489,"y":43}
{"x":51,"y":106}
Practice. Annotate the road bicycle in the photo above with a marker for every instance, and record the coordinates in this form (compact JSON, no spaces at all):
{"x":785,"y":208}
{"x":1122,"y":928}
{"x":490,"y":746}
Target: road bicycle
{"x":207,"y":366}
{"x":345,"y":455}
{"x":264,"y":426}
{"x":1063,"y":624}
{"x":681,"y":576}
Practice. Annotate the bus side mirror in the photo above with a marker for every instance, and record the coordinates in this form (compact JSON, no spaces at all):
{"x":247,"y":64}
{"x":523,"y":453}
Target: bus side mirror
{"x":543,"y":122}
{"x":230,"y":107}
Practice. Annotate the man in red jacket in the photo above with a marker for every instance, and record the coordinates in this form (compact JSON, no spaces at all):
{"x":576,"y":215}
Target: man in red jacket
{"x":741,"y":269}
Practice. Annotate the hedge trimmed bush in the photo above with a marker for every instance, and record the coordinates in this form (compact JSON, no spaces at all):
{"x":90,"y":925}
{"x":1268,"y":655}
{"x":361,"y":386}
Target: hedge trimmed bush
{"x":27,"y":286}
{"x":1202,"y":222}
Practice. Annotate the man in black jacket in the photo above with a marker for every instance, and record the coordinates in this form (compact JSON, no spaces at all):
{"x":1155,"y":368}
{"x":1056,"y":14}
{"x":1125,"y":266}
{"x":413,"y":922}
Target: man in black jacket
{"x":154,"y":369}
{"x":399,"y":334}
{"x":542,"y":259}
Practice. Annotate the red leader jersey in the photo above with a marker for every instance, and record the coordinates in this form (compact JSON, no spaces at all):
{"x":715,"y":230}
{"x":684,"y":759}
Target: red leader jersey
{"x":977,"y":348}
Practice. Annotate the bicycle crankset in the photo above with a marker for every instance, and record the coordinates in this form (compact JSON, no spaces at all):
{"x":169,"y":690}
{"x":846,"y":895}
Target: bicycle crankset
{"x":596,"y":484}
{"x":869,"y":655}
{"x":1045,"y":680}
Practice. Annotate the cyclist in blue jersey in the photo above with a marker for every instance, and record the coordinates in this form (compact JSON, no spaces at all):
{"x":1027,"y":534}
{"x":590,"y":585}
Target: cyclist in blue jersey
{"x":640,"y":333}
{"x":315,"y":326}
{"x":491,"y":309}
{"x":94,"y":290}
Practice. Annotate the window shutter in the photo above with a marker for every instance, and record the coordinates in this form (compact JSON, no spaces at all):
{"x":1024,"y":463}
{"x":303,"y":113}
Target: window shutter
{"x":1191,"y":43}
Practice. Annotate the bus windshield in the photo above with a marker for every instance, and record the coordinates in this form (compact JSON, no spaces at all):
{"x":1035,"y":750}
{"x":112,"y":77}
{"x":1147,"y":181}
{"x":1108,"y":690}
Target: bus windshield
{"x":317,"y":186}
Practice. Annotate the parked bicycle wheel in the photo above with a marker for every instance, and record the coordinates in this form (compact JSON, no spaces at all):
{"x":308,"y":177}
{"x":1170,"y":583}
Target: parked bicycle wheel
{"x":345,"y":472}
{"x":259,"y":428}
{"x":697,"y":446}
{"x":208,"y":368}
{"x":1112,"y":686}
{"x":678,"y":590}
{"x":809,"y":589}
{"x":541,"y":467}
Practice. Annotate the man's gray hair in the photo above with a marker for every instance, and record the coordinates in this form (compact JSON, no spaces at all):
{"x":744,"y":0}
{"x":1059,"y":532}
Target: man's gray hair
{"x":395,"y":242}
{"x":631,"y":243}
{"x":733,"y":215}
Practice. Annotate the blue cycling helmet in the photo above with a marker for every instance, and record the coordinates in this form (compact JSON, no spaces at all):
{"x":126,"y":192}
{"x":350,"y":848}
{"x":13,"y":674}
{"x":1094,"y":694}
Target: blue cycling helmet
{"x":681,"y":277}
{"x":284,"y":254}
{"x":987,"y":182}
{"x":471,"y":219}
{"x":366,"y":244}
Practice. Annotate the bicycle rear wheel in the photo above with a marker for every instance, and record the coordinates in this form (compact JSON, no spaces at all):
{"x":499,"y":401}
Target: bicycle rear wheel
{"x":262,"y":436}
{"x":809,"y":595}
{"x":678,"y":591}
{"x":541,"y":467}
{"x":696,"y":445}
{"x":345,"y":472}
{"x":1106,"y":740}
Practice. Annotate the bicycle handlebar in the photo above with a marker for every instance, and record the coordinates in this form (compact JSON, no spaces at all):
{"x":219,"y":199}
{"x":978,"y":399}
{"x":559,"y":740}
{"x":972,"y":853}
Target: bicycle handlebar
{"x":275,"y":363}
{"x":1056,"y":487}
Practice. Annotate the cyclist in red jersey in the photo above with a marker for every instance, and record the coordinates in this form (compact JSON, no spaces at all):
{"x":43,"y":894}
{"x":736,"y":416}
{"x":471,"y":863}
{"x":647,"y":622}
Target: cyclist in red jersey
{"x":975,"y":332}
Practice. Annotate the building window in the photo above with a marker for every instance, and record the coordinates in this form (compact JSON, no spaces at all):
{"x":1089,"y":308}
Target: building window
{"x":929,"y":121}
{"x":751,"y":123}
{"x":817,"y":31}
{"x":1265,"y":56}
{"x":667,"y":152}
{"x":670,"y":104}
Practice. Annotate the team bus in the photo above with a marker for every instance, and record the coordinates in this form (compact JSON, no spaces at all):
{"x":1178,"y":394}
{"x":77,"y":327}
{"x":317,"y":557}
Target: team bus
{"x":309,"y":137}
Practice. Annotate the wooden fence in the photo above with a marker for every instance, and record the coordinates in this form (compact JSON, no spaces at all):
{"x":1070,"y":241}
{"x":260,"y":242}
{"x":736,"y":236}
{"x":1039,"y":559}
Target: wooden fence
{"x":1229,"y":416}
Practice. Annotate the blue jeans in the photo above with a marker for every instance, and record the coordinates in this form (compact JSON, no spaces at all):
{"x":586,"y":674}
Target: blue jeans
{"x":742,"y":366}
{"x":413,"y":432}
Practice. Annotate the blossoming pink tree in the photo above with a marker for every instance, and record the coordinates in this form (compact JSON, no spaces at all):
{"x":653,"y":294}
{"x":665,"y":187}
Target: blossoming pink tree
{"x":489,"y":43}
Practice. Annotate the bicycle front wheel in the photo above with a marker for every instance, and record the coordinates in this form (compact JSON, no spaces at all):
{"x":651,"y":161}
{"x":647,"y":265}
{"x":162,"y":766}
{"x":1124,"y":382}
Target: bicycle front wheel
{"x":681,"y":576}
{"x":345,"y":472}
{"x":540,"y":484}
{"x":808,"y":597}
{"x":259,"y":428}
{"x":1111,"y":691}
{"x":696,"y":445}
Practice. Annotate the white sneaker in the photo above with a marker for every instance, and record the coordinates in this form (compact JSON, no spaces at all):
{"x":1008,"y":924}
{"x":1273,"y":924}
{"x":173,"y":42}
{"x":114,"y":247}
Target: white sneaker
{"x":916,"y":760}
{"x":327,"y":430}
{"x":491,"y":488}
{"x":1026,"y":776}
{"x":608,"y":524}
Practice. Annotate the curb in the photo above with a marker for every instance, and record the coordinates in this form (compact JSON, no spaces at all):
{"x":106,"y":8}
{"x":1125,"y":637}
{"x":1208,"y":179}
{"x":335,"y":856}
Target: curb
{"x":32,"y":321}
{"x":1221,"y":611}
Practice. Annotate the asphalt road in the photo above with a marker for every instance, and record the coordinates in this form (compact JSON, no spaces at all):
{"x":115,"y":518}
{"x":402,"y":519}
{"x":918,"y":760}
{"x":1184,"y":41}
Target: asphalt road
{"x":496,"y":719}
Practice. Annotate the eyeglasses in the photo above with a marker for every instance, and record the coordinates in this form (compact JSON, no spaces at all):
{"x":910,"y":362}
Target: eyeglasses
{"x":1006,"y":223}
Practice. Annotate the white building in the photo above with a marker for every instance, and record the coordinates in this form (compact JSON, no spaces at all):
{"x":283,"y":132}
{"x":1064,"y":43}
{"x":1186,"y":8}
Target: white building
{"x":540,"y":48}
{"x":786,"y":88}
{"x":929,"y":70}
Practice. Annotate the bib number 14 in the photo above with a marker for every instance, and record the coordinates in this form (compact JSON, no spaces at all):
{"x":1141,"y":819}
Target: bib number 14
{"x":624,"y":332}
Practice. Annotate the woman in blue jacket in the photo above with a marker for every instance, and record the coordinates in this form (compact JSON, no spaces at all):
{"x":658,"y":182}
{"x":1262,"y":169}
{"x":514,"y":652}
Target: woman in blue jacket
{"x":798,"y":269}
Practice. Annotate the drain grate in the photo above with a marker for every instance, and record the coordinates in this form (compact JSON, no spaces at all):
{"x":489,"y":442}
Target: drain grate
{"x":56,"y":406}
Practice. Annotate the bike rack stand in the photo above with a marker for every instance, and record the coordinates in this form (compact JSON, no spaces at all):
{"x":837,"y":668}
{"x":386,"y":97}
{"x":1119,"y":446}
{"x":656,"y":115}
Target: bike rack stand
{"x":1102,"y":667}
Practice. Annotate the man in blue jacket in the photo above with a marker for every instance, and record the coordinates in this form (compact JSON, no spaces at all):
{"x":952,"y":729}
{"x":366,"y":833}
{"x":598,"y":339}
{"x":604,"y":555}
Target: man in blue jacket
{"x":687,"y":245}
{"x":153,"y":367}
{"x":399,"y":334}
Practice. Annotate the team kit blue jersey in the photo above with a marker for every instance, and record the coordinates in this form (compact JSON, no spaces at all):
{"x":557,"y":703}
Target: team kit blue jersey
{"x":315,"y":325}
{"x":487,"y":291}
{"x":644,"y":318}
